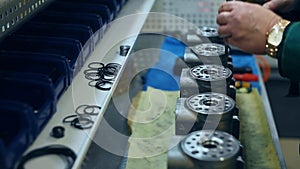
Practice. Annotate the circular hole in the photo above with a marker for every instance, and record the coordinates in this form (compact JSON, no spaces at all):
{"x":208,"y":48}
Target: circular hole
{"x":221,"y":152}
{"x":210,"y":102}
{"x":211,"y":48}
{"x":210,"y":144}
{"x":210,"y":72}
{"x":195,"y":152}
{"x":214,"y":156}
{"x":188,"y":142}
{"x":198,"y":108}
{"x":210,"y":30}
{"x":192,"y":147}
{"x":204,"y":153}
{"x":229,"y":150}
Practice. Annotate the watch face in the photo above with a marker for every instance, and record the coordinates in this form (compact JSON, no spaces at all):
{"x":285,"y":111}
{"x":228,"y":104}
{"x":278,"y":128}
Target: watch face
{"x":275,"y":37}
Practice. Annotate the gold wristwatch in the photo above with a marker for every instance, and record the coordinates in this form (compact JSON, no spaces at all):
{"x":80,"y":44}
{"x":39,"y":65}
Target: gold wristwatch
{"x":274,"y":37}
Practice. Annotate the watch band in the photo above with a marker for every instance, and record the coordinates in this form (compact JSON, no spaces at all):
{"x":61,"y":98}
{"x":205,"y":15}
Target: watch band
{"x":271,"y":49}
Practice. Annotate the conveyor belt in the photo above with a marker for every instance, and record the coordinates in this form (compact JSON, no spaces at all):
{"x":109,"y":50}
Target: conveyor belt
{"x":259,"y":149}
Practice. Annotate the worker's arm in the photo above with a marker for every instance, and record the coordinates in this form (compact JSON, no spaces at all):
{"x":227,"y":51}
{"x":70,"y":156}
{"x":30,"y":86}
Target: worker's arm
{"x":289,"y":52}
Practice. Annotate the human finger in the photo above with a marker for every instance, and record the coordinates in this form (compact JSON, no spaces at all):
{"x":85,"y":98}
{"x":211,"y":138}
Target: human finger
{"x":222,"y":18}
{"x":231,"y":41}
{"x":227,"y":40}
{"x":224,"y":31}
{"x":269,"y":5}
{"x":278,"y":5}
{"x":225,"y":7}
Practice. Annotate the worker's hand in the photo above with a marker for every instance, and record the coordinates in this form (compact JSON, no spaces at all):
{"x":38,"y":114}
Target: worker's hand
{"x":245,"y":25}
{"x":280,"y":5}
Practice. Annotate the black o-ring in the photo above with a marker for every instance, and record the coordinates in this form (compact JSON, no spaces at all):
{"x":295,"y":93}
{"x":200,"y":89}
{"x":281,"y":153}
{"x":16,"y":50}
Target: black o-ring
{"x":93,"y":107}
{"x":110,"y":71}
{"x":77,"y":123}
{"x":48,"y":150}
{"x":90,"y":65}
{"x":93,"y":77}
{"x":99,"y":85}
{"x":88,"y":71}
{"x":77,"y":109}
{"x":109,"y":78}
{"x":116,"y":65}
{"x":65,"y":120}
{"x":92,"y":81}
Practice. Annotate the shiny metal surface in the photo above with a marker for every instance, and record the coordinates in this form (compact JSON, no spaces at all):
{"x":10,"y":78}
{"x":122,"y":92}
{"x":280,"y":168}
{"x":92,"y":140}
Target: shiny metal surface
{"x":205,"y":78}
{"x":209,"y":49}
{"x":205,"y":111}
{"x":207,"y":53}
{"x":210,"y":72}
{"x":210,"y":103}
{"x":208,"y":145}
{"x":205,"y":149}
{"x":208,"y":31}
{"x":211,"y":33}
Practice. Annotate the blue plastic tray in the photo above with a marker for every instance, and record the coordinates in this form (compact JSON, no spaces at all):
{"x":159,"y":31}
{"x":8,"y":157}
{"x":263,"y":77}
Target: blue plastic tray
{"x":17,"y":131}
{"x":21,"y":62}
{"x":67,"y":47}
{"x":33,"y":89}
{"x":93,"y":21}
{"x":78,"y":32}
{"x":113,"y":5}
{"x":99,"y":9}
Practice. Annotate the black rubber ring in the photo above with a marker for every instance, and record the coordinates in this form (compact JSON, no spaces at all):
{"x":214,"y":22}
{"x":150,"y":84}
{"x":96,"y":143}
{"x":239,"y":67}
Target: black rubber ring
{"x":90,"y":65}
{"x":93,"y":107}
{"x":99,"y":85}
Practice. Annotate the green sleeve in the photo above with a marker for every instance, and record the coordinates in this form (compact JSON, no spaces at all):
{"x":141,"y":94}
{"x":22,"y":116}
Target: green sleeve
{"x":289,"y":53}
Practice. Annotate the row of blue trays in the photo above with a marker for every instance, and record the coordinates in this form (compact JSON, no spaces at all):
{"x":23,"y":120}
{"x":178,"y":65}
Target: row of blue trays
{"x":37,"y":64}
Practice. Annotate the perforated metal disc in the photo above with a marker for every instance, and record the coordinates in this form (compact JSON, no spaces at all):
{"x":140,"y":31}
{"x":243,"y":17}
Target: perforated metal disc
{"x":208,"y":31}
{"x":210,"y":103}
{"x":206,"y":145}
{"x":209,"y":49}
{"x":210,"y":72}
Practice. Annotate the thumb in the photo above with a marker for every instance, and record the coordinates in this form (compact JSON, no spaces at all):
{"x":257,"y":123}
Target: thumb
{"x":270,"y":5}
{"x":277,"y":5}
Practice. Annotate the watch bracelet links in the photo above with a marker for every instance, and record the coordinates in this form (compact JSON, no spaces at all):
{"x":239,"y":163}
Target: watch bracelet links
{"x":272,"y":50}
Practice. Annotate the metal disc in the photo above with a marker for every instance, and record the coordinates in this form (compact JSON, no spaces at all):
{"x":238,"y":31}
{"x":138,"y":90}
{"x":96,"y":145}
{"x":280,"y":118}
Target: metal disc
{"x":208,"y":31}
{"x":209,"y":145}
{"x":210,"y":72}
{"x":210,"y":103}
{"x":209,"y":49}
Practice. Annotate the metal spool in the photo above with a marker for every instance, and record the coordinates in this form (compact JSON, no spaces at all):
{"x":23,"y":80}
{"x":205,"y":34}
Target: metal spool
{"x":211,"y":53}
{"x":211,"y":78}
{"x":211,"y":33}
{"x":211,"y":149}
{"x":214,"y":111}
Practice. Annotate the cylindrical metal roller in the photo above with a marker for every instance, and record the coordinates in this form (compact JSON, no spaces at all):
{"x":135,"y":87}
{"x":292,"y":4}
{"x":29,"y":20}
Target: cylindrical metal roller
{"x":204,"y":111}
{"x":205,"y":149}
{"x":208,"y":53}
{"x":205,"y":78}
{"x":214,"y":111}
